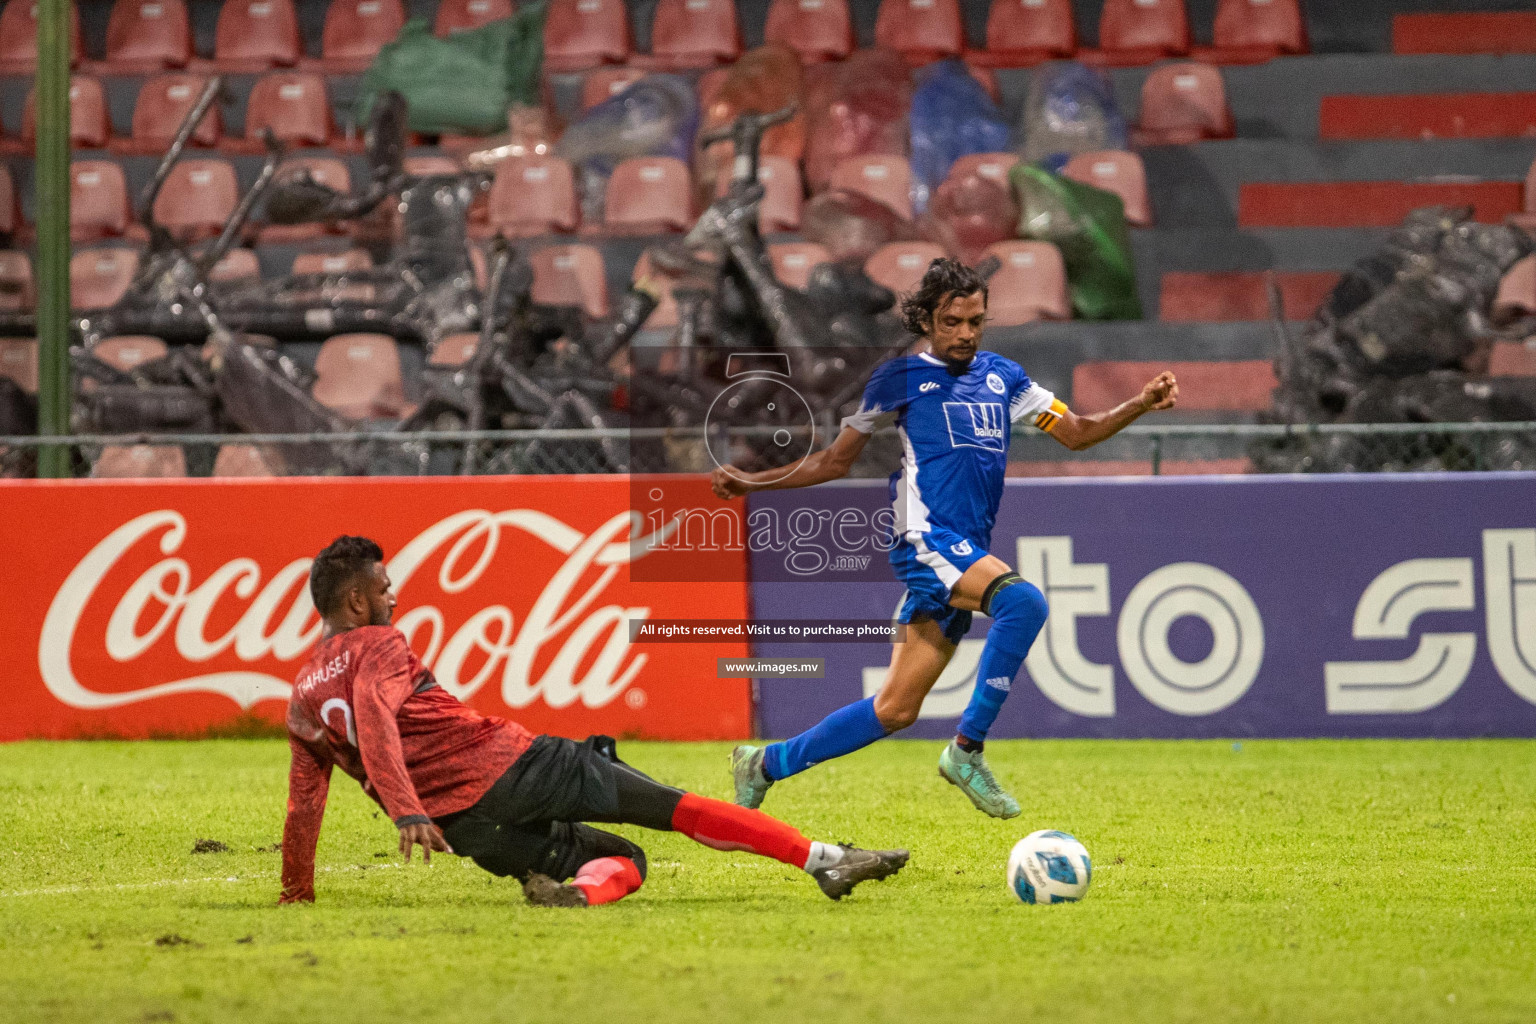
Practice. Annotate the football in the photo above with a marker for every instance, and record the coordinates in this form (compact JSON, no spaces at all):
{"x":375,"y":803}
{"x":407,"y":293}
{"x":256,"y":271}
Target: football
{"x":1049,"y":867}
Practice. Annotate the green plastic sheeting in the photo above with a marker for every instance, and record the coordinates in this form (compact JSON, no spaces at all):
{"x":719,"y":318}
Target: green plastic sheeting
{"x":464,"y":83}
{"x":1088,"y":225}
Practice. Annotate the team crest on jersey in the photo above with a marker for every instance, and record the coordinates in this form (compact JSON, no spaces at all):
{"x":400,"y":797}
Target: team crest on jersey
{"x":996,"y":384}
{"x":977,"y":425}
{"x":962,"y":549}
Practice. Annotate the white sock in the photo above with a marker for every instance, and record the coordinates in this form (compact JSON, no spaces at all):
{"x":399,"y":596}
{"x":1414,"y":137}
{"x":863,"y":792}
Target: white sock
{"x":823,"y":855}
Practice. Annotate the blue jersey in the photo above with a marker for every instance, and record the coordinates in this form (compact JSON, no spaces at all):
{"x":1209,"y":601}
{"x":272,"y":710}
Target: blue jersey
{"x":954,"y":436}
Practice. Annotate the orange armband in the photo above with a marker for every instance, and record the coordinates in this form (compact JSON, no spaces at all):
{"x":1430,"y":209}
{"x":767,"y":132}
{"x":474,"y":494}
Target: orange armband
{"x":1047,"y":420}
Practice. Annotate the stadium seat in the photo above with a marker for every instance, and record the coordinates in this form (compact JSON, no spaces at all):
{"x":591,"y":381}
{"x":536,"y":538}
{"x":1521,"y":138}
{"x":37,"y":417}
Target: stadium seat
{"x":326,"y":170}
{"x":885,"y":179}
{"x":1182,"y":104}
{"x":140,"y":462}
{"x":18,"y":37}
{"x":332,"y":262}
{"x":158,"y":112}
{"x":198,"y":197}
{"x":708,"y":86}
{"x":89,"y":125}
{"x":1335,"y":204}
{"x":99,"y":277}
{"x":533,"y":195}
{"x":1251,"y":31}
{"x":783,"y":193}
{"x":1024,"y":32}
{"x":992,"y":166}
{"x":18,"y":361}
{"x":900,"y":266}
{"x":1141,"y":31}
{"x":255,"y":35}
{"x":584,"y":33}
{"x":599,"y":84}
{"x":818,"y":30}
{"x":17,"y":294}
{"x":237,"y":265}
{"x":694,"y":33}
{"x":920,"y":30}
{"x":1517,"y":290}
{"x":570,"y":275}
{"x":10,"y":205}
{"x":461,"y":15}
{"x":129,"y":351}
{"x":294,"y":104}
{"x":1508,"y":359}
{"x":794,"y":261}
{"x":148,"y":35}
{"x":1030,"y":285}
{"x":355,"y":31}
{"x":647,"y":195}
{"x":1244,"y":385}
{"x":248,"y":460}
{"x":1237,"y":295}
{"x":1470,"y":32}
{"x":454,"y":350}
{"x":98,"y":200}
{"x":358,"y":376}
{"x":1115,"y":171}
{"x":1472,"y":115}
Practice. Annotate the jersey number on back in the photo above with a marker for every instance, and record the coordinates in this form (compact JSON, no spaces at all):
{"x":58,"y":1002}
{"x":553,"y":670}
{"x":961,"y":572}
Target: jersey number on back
{"x":336,"y":703}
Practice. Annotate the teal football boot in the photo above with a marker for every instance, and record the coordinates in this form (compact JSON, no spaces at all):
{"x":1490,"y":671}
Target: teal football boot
{"x":969,"y":771}
{"x":747,"y":770}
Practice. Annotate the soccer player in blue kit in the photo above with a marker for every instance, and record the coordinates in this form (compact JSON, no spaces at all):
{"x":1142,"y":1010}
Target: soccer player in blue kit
{"x":954,"y":406}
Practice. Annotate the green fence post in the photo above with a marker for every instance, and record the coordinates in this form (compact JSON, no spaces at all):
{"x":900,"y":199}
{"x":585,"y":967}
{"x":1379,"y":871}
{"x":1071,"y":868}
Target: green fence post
{"x":52,"y":190}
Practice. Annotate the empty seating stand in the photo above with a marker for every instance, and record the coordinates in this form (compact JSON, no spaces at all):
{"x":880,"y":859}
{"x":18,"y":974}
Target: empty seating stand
{"x":992,"y":166}
{"x":1119,"y":172}
{"x":1025,"y":32}
{"x":99,"y":277}
{"x":570,"y":275}
{"x":163,"y":102}
{"x":1237,"y":295}
{"x":17,"y":294}
{"x":885,"y":179}
{"x":1140,"y":32}
{"x":533,"y":195}
{"x":98,"y":200}
{"x":584,"y":33}
{"x":1030,"y":285}
{"x":198,"y":197}
{"x":140,"y":462}
{"x":358,"y":376}
{"x":1250,"y":31}
{"x":294,"y":105}
{"x":148,"y":35}
{"x":694,"y":34}
{"x":648,"y":194}
{"x":1471,"y":32}
{"x":818,"y":30}
{"x":18,"y":37}
{"x":900,"y":266}
{"x":255,"y":35}
{"x":1238,"y":386}
{"x":783,"y":193}
{"x":920,"y":30}
{"x":18,"y":361}
{"x":1367,"y":203}
{"x":1183,"y":103}
{"x":461,"y":15}
{"x":1473,"y":115}
{"x":356,"y":30}
{"x":89,"y":125}
{"x":794,"y":261}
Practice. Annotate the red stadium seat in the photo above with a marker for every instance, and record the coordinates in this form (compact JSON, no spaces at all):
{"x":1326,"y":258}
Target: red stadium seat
{"x":10,"y":206}
{"x":454,"y":350}
{"x":1183,"y":103}
{"x":570,"y":275}
{"x":992,"y":166}
{"x":1141,"y":31}
{"x":356,"y":30}
{"x":99,"y":277}
{"x":162,"y":104}
{"x":358,"y":376}
{"x":1030,"y":285}
{"x":599,"y":84}
{"x":248,"y":460}
{"x":794,"y":261}
{"x":129,"y":351}
{"x":461,"y":15}
{"x":147,"y":35}
{"x":1229,"y":296}
{"x":140,"y":462}
{"x":885,"y":179}
{"x":584,"y":33}
{"x":1250,"y":31}
{"x":533,"y":195}
{"x":920,"y":30}
{"x":695,"y":33}
{"x":1237,"y":386}
{"x":18,"y":37}
{"x":237,"y":265}
{"x":1115,"y":171}
{"x":17,"y":294}
{"x":254,"y":35}
{"x":1508,"y":359}
{"x":1471,"y":115}
{"x":325,"y":170}
{"x":198,"y":197}
{"x":332,"y":262}
{"x":1470,"y":32}
{"x":648,"y":194}
{"x":1022,"y":32}
{"x":294,"y":104}
{"x":18,"y":360}
{"x":709,"y":84}
{"x":1517,"y":291}
{"x":1336,"y":204}
{"x":89,"y":125}
{"x":98,"y":200}
{"x":783,"y":193}
{"x":818,"y":30}
{"x":900,"y":266}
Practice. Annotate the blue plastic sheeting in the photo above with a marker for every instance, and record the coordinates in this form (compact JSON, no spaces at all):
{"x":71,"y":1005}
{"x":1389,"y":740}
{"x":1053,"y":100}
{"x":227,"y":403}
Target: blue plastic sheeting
{"x":1070,"y":109}
{"x":952,"y":115}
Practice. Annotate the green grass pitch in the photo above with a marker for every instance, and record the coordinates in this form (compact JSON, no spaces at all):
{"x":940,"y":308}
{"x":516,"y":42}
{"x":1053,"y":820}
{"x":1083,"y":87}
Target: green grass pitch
{"x":1267,"y":881}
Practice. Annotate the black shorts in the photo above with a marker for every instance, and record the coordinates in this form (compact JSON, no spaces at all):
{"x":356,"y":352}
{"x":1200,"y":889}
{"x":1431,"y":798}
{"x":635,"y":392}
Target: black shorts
{"x":533,"y":817}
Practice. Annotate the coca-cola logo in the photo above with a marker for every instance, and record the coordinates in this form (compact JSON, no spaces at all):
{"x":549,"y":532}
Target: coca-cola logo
{"x":168,"y":604}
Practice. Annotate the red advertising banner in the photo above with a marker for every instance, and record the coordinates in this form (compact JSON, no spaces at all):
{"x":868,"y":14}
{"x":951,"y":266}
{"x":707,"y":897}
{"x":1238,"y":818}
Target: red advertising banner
{"x":146,"y":608}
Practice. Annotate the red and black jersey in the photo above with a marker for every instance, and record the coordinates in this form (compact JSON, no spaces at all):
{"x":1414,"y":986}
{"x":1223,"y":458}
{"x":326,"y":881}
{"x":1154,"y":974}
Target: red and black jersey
{"x":365,"y":703}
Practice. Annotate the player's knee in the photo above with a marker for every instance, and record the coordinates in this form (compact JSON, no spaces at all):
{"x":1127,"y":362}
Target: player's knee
{"x":896,"y":716}
{"x":1020,"y":604}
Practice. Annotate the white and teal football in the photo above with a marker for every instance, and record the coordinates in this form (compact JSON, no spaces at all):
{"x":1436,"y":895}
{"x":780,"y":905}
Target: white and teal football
{"x":1049,"y":867}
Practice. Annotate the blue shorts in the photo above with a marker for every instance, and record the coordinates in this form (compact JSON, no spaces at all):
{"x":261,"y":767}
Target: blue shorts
{"x":930,"y":564}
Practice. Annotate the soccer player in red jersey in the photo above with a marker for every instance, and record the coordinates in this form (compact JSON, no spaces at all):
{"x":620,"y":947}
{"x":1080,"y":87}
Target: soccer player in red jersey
{"x":456,"y":781}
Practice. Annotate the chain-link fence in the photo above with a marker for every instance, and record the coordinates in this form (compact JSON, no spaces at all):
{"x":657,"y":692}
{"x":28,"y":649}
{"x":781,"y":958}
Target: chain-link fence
{"x":1140,"y":450}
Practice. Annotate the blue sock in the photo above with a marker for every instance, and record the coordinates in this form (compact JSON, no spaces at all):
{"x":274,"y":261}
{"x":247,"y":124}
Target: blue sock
{"x":1018,"y":611}
{"x":842,"y":732}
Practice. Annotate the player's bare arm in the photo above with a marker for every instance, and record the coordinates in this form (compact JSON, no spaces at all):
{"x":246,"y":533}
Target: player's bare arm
{"x":1078,"y":431}
{"x":830,"y":463}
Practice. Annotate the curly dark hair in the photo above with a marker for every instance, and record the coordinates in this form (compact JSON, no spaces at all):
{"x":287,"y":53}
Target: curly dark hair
{"x":337,"y":566}
{"x":945,"y":278}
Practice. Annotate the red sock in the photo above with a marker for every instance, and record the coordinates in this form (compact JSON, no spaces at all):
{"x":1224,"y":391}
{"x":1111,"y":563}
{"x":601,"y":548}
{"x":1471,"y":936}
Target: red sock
{"x":728,"y":827}
{"x":607,"y":879}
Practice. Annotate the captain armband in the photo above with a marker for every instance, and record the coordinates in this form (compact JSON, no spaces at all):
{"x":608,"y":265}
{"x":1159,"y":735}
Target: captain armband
{"x":1048,"y":419}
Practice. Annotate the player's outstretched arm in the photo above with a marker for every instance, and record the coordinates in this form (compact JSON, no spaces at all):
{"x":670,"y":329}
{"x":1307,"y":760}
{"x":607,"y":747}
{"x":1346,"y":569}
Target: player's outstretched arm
{"x":309,"y":781}
{"x":831,"y":463}
{"x":1078,"y":432}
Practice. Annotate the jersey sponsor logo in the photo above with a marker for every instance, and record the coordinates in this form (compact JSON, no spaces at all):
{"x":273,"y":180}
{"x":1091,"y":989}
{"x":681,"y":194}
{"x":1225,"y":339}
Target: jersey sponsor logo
{"x":996,"y":384}
{"x":962,"y":549}
{"x":977,"y":425}
{"x":927,"y":386}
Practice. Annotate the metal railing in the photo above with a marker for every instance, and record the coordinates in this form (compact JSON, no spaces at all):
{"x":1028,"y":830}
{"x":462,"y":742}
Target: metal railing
{"x":1142,"y":449}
